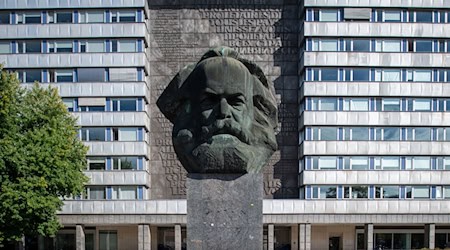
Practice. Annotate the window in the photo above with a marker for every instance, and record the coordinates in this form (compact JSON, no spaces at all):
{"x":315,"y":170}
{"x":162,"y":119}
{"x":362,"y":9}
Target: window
{"x":123,"y":16}
{"x":424,"y":46}
{"x":422,"y":16}
{"x":328,"y":134}
{"x":356,"y":104}
{"x":329,"y":74}
{"x":124,"y":105}
{"x":356,"y":192}
{"x":422,"y":134}
{"x":5,"y":47}
{"x":60,"y":47}
{"x":359,"y":134}
{"x":108,"y":240}
{"x":29,"y":18}
{"x":95,"y":46}
{"x":30,"y":75}
{"x":96,"y":193}
{"x":359,"y":163}
{"x":29,"y":47}
{"x":92,"y":17}
{"x":122,"y":74}
{"x":69,"y":102}
{"x":96,"y":163}
{"x":418,"y":163}
{"x":122,"y":163}
{"x":391,"y":75}
{"x":61,"y":75}
{"x":387,"y":163}
{"x":391,"y":134}
{"x":391,"y":104}
{"x":124,"y":193}
{"x":328,"y":15}
{"x":359,"y":45}
{"x":125,"y":134}
{"x":324,"y":104}
{"x":4,"y":18}
{"x":418,"y":192}
{"x":126,"y":46}
{"x":327,"y":162}
{"x":360,"y":75}
{"x":64,"y":17}
{"x":91,"y":74}
{"x":328,"y":45}
{"x":389,"y":46}
{"x":388,"y":192}
{"x":392,"y":16}
{"x":421,"y":105}
{"x":93,"y":134}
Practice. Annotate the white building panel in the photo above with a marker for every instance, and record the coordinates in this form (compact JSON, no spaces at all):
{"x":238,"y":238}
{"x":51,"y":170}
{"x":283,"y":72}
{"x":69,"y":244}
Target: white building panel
{"x":117,"y":148}
{"x":378,"y":3}
{"x":346,"y":118}
{"x":373,"y":148}
{"x":72,"y":4}
{"x":73,"y":31}
{"x":367,"y":29}
{"x":122,"y":177}
{"x":404,"y":89}
{"x":377,"y":177}
{"x":355,"y":207}
{"x":74,"y":60}
{"x":104,"y":89}
{"x":349,"y":59}
{"x":134,"y":119}
{"x":124,"y":207}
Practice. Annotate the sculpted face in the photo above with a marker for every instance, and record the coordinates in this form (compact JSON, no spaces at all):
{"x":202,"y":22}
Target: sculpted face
{"x":217,"y":128}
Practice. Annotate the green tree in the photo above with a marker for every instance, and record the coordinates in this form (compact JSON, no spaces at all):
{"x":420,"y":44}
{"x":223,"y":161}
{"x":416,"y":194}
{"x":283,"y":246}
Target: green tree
{"x":41,"y":159}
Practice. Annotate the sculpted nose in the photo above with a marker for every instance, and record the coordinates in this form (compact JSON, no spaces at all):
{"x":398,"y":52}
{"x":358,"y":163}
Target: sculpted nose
{"x":224,"y":109}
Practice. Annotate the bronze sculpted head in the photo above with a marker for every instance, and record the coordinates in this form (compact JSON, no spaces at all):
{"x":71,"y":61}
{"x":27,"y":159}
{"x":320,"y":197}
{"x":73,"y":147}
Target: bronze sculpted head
{"x":224,"y":114}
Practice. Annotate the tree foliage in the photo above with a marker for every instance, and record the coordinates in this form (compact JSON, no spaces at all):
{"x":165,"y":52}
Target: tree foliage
{"x":41,"y":159}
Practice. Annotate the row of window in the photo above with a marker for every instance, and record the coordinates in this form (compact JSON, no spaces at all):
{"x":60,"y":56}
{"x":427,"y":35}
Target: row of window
{"x":114,"y":193}
{"x":377,"y":192}
{"x":82,"y":16}
{"x":112,"y":134}
{"x":377,"y":75}
{"x":377,"y":15}
{"x":376,"y":163}
{"x":115,"y":163}
{"x":71,"y":46}
{"x":402,"y":239}
{"x":376,"y":134}
{"x":377,"y":45}
{"x":376,"y":104}
{"x":101,"y":104}
{"x":81,"y":75}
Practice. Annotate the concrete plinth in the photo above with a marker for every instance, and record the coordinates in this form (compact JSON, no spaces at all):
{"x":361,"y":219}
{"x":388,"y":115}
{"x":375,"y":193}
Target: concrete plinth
{"x":224,"y":211}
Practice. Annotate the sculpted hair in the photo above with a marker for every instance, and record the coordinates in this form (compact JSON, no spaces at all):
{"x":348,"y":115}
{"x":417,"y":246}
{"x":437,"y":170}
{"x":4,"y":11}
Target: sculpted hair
{"x":265,"y":114}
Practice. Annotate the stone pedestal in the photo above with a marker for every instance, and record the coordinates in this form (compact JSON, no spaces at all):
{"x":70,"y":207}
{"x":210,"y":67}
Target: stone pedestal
{"x":224,"y":211}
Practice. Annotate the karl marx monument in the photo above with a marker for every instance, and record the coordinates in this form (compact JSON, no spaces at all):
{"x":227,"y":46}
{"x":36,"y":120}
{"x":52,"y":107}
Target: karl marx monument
{"x":224,"y":117}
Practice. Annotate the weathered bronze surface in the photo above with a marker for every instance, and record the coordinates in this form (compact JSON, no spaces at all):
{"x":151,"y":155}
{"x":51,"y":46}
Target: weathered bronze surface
{"x":224,"y":114}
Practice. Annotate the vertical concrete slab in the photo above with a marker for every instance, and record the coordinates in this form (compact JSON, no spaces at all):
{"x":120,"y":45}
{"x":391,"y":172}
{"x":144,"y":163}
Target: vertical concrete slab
{"x":80,"y":237}
{"x":224,"y":211}
{"x":308,"y":237}
{"x":368,"y":236}
{"x":270,"y":237}
{"x":294,"y":237}
{"x":430,"y":231}
{"x":301,"y":236}
{"x":177,"y":237}
{"x":144,"y":237}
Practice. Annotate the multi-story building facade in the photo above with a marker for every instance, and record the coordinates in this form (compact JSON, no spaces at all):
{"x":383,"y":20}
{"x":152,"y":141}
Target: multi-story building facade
{"x":365,"y":82}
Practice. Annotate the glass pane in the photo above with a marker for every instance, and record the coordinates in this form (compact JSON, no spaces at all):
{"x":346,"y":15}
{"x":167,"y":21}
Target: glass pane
{"x":33,"y":47}
{"x":127,"y":134}
{"x":361,"y":45}
{"x":390,"y":192}
{"x":128,"y":105}
{"x":329,"y":74}
{"x":390,"y":163}
{"x":421,"y":162}
{"x":4,"y":18}
{"x":328,"y":15}
{"x":421,"y":192}
{"x":64,"y":17}
{"x":329,"y":45}
{"x":33,"y":75}
{"x":94,"y":17}
{"x":328,"y":104}
{"x":91,"y":74}
{"x":422,"y":105}
{"x":108,"y":240}
{"x":327,"y":192}
{"x":359,"y":105}
{"x":391,"y":75}
{"x":359,"y":192}
{"x":391,"y":134}
{"x":360,"y":134}
{"x":424,"y":16}
{"x":401,"y":241}
{"x":96,"y":134}
{"x":417,"y":241}
{"x":127,"y":46}
{"x":63,"y":47}
{"x":392,"y":16}
{"x":128,"y":162}
{"x":95,"y":46}
{"x":391,"y":104}
{"x":97,"y":193}
{"x":328,"y":134}
{"x":5,"y":47}
{"x":422,"y":134}
{"x":65,"y":241}
{"x":392,"y":46}
{"x":360,"y":75}
{"x":33,"y":18}
{"x":127,"y":193}
{"x":359,"y":163}
{"x":127,"y":17}
{"x":424,"y":46}
{"x":327,"y":162}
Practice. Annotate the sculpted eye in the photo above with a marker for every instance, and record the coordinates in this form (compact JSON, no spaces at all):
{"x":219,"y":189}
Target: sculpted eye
{"x":236,"y":101}
{"x":208,"y":101}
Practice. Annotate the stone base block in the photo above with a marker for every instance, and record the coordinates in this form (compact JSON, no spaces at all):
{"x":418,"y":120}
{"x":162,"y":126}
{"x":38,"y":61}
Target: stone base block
{"x":224,"y":211}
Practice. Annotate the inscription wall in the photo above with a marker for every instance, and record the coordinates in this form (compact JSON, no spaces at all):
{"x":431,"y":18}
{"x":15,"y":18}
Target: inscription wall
{"x":264,"y":31}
